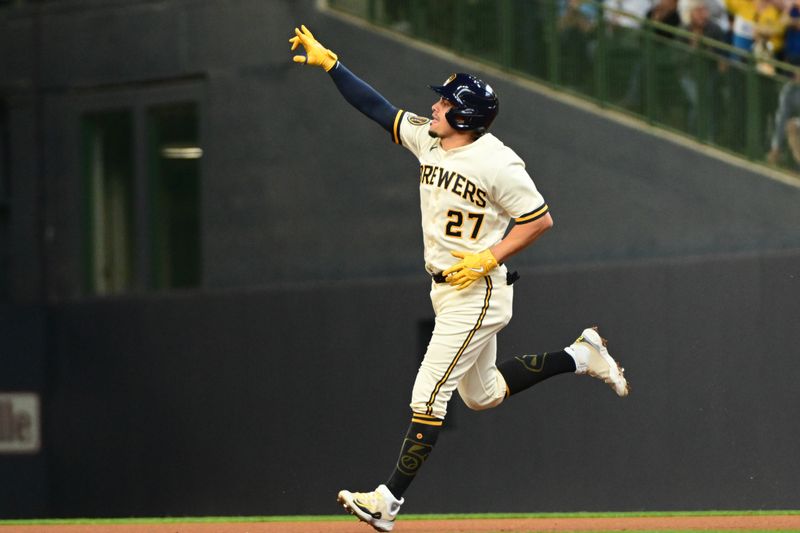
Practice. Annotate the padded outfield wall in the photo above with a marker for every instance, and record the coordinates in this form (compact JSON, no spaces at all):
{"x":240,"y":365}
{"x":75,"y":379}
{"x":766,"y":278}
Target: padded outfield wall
{"x":283,"y":378}
{"x":269,"y":401}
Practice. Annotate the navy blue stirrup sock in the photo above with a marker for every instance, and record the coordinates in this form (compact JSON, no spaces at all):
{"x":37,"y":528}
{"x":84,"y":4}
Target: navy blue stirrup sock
{"x":525,"y":371}
{"x":417,"y":446}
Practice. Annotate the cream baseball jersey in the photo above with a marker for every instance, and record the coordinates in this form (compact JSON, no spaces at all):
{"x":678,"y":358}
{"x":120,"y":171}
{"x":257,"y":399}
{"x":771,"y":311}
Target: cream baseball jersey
{"x":468,"y":194}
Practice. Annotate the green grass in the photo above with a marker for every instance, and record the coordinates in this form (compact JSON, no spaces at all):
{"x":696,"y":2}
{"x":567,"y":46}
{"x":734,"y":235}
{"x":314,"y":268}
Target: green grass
{"x":339,"y":517}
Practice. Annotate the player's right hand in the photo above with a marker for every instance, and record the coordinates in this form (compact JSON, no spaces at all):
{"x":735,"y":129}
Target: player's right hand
{"x":316,"y":54}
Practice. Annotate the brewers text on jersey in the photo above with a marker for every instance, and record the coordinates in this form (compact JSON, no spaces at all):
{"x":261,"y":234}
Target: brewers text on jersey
{"x":454,"y":182}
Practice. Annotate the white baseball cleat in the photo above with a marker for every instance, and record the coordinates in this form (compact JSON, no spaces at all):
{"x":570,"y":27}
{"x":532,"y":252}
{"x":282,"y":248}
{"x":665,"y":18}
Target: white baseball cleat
{"x":377,"y":508}
{"x":592,"y":358}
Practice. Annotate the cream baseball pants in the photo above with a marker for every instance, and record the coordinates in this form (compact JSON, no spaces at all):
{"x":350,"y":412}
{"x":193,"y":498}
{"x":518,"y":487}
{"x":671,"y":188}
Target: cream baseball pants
{"x":462,"y":352}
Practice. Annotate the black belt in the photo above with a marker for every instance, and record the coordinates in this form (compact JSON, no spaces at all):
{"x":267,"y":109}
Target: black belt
{"x":439,"y":278}
{"x":511,"y":277}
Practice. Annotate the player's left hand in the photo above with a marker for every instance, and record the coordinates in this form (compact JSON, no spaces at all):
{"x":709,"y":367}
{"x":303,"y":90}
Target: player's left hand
{"x":471,"y":268}
{"x":316,"y":54}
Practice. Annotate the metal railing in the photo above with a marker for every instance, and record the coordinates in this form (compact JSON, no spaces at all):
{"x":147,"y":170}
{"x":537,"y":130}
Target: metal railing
{"x":702,"y":88}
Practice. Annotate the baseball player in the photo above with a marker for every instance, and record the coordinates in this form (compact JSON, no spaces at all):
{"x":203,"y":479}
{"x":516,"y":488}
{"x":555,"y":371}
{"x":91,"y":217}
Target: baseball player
{"x":471,"y":186}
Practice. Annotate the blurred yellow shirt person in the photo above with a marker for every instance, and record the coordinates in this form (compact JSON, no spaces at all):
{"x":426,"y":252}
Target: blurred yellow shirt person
{"x":757,"y":20}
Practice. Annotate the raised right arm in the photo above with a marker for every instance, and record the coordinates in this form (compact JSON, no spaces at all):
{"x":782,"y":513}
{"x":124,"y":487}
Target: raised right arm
{"x":363,"y":97}
{"x":357,"y":92}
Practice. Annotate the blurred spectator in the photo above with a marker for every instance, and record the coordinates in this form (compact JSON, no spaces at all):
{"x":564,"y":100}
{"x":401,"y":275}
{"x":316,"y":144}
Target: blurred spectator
{"x":717,"y":11}
{"x":700,"y":23}
{"x":576,"y":25}
{"x":577,"y":15}
{"x":631,"y":12}
{"x":791,"y":38}
{"x":665,"y":12}
{"x":787,"y":121}
{"x":623,"y":21}
{"x":701,"y":77}
{"x":757,"y":25}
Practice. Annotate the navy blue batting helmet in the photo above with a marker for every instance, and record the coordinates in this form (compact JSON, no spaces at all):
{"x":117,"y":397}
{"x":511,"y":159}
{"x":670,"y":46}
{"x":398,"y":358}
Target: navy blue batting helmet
{"x":474,"y":102}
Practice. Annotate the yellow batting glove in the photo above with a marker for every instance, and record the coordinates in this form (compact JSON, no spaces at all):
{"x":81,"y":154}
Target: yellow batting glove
{"x":471,"y":268}
{"x":316,"y":54}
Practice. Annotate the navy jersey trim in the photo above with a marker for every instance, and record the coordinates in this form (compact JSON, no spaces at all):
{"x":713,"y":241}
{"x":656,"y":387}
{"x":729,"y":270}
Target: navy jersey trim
{"x":536,"y":214}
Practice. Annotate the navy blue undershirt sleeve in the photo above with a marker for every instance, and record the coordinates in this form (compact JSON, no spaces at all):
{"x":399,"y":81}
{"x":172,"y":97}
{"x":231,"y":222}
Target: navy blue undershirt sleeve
{"x":363,"y":97}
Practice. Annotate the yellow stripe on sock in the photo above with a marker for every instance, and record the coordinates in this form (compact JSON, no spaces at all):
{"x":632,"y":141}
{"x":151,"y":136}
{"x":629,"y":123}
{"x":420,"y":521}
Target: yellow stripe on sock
{"x":434,"y":422}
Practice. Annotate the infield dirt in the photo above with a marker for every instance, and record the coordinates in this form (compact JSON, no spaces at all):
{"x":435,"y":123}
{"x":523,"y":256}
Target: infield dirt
{"x":505,"y":525}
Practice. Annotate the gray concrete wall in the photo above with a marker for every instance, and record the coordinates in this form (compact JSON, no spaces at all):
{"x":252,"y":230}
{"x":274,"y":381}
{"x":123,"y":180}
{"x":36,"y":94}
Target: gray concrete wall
{"x":270,"y":401}
{"x":296,"y":185}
